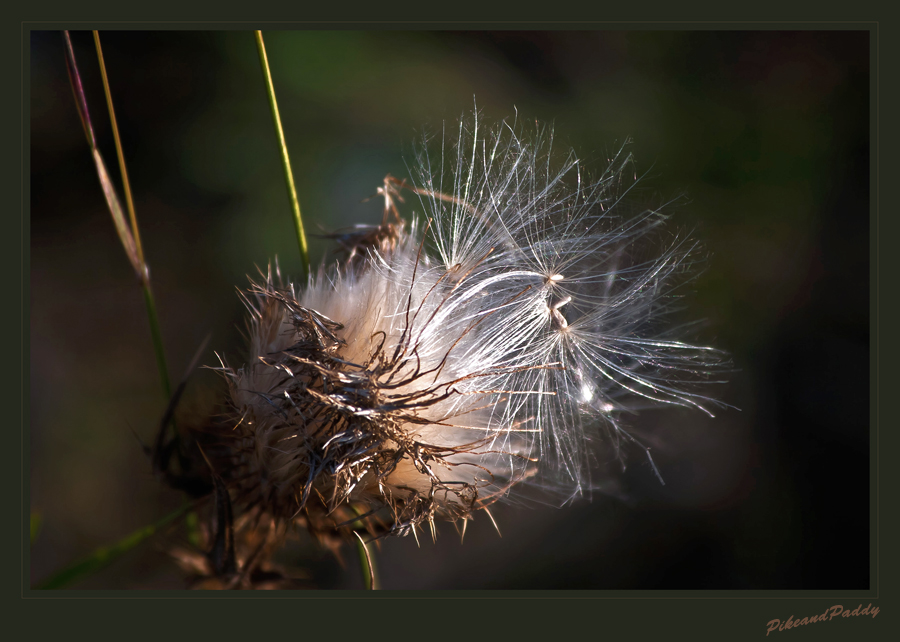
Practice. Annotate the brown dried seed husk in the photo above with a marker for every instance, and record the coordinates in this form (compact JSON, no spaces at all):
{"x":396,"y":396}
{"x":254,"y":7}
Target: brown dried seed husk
{"x":307,"y":434}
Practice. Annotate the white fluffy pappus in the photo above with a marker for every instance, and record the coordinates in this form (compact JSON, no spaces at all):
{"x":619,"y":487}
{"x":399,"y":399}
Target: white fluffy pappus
{"x":489,"y":346}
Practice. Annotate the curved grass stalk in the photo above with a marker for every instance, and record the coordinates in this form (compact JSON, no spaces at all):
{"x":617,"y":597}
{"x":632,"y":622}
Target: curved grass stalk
{"x":365,"y":560}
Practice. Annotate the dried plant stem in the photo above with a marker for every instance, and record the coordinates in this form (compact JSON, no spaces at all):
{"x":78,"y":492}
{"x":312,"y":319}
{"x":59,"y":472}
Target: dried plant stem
{"x":105,"y":555}
{"x":365,"y":560}
{"x":130,"y":236}
{"x":129,"y":201}
{"x":288,"y":174}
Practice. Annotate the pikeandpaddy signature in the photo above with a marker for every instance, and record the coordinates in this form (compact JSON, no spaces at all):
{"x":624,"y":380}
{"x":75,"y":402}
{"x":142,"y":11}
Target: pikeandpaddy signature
{"x":830,"y":613}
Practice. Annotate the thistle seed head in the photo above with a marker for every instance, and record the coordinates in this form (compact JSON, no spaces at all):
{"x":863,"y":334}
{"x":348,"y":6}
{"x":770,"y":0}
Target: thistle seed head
{"x":489,"y":345}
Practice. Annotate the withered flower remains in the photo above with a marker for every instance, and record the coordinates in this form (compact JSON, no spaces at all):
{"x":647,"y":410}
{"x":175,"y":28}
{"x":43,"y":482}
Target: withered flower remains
{"x":487,"y":347}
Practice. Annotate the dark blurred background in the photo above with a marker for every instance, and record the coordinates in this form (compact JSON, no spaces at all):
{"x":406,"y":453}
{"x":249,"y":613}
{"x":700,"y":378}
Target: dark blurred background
{"x":764,"y":134}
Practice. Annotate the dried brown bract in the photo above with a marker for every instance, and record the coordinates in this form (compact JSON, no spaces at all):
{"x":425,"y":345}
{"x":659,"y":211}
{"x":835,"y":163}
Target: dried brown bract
{"x":439,"y":367}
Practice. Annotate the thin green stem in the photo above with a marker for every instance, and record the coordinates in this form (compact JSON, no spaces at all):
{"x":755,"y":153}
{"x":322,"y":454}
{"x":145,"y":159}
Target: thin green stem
{"x":157,"y":340}
{"x":285,"y":159}
{"x":106,"y":555}
{"x":366,"y":559}
{"x":141,"y":267}
{"x":35,"y":525}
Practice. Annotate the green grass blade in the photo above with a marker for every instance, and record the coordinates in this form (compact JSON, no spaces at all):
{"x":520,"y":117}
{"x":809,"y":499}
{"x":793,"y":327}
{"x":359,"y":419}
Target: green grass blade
{"x":35,"y":525}
{"x":366,"y":559}
{"x":129,"y":234}
{"x":106,"y":555}
{"x":156,"y":333}
{"x":286,"y":161}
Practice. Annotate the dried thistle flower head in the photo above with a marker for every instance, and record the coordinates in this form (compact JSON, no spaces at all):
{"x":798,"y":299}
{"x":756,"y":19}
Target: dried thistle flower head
{"x":489,"y":346}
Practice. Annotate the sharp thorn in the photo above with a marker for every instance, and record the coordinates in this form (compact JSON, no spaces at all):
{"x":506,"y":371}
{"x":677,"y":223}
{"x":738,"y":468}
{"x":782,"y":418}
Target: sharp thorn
{"x":496,"y":528}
